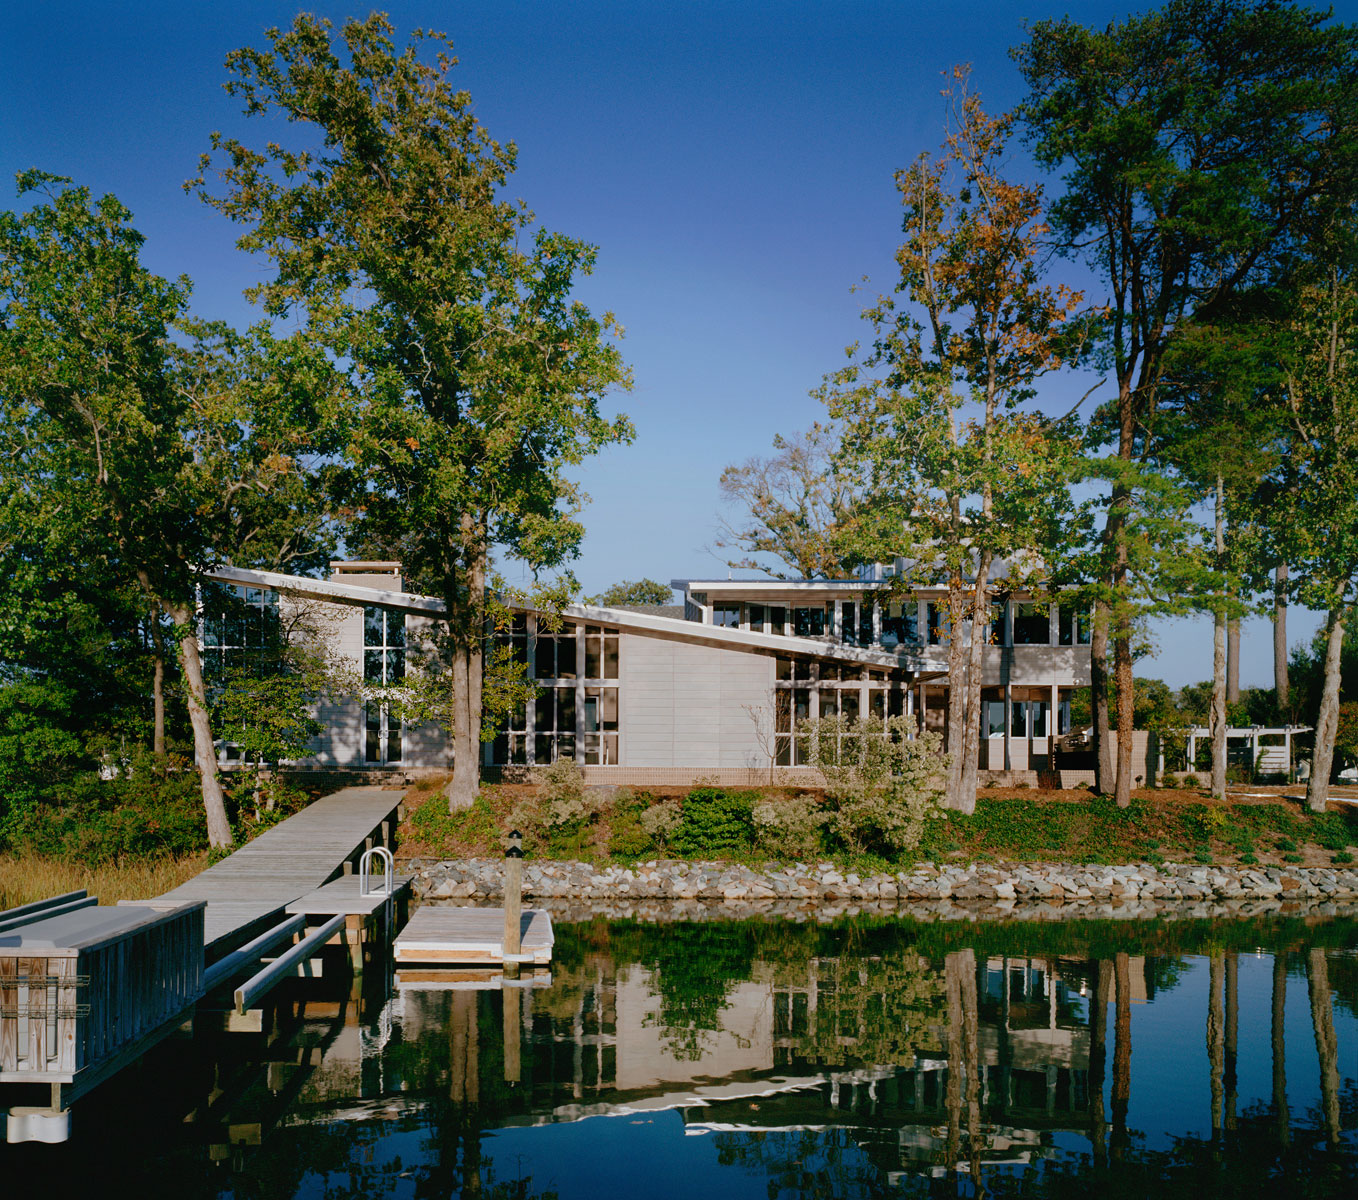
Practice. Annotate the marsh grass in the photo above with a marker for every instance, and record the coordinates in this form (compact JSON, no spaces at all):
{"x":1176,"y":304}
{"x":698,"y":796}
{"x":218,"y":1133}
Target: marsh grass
{"x":29,"y":877}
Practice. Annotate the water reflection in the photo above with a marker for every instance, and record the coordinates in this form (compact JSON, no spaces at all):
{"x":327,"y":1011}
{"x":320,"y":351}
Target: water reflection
{"x":776,"y":1059}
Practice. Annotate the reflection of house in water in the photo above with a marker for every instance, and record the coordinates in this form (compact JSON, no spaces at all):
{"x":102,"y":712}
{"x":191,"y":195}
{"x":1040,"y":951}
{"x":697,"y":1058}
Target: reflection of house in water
{"x":860,"y":1044}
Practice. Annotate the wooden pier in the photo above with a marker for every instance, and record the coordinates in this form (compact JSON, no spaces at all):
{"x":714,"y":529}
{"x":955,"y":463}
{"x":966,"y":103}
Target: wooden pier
{"x":86,"y":990}
{"x":256,"y":886}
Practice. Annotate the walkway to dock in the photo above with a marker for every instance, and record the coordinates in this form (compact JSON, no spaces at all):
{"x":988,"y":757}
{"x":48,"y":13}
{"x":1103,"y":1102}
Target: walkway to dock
{"x":259,"y":882}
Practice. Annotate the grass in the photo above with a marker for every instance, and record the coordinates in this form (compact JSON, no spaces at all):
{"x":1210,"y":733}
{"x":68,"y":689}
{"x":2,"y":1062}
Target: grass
{"x":29,"y":877}
{"x":1025,"y":826}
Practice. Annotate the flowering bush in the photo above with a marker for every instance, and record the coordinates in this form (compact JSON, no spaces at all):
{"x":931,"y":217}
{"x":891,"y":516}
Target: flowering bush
{"x":883,"y":785}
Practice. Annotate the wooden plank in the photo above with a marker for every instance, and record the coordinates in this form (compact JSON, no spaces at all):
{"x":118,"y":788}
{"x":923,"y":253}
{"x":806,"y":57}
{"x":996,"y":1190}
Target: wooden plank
{"x":9,"y":1014}
{"x":448,"y":934}
{"x":9,"y":921}
{"x":220,"y":971}
{"x":68,"y":997}
{"x":36,"y":968}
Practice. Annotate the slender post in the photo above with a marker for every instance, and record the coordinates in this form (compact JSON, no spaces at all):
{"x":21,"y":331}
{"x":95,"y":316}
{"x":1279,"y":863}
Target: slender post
{"x":513,"y":897}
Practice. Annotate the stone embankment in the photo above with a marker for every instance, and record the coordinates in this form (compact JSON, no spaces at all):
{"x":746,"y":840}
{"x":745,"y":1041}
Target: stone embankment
{"x":988,"y":889}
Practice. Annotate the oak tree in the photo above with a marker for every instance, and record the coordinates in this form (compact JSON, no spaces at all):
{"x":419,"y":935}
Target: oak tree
{"x":476,"y":378}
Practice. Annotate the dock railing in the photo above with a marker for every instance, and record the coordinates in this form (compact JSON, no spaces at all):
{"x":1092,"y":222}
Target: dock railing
{"x":73,"y":1000}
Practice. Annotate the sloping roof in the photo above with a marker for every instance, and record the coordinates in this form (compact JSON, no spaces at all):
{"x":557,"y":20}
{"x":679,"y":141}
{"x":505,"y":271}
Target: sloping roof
{"x":334,"y":592}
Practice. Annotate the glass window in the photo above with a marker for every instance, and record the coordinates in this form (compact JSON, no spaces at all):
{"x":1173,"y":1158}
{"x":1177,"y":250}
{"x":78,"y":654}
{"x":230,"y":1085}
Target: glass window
{"x":865,"y":622}
{"x":756,"y":617}
{"x":994,"y":718}
{"x":937,"y":614}
{"x":849,"y":622}
{"x":783,"y":668}
{"x":900,"y":620}
{"x":996,"y":636}
{"x":726,"y":615}
{"x":382,"y":735}
{"x":1072,"y":627}
{"x":777,"y":619}
{"x":1018,"y":723}
{"x":1038,"y":710}
{"x":1032,"y":626}
{"x":808,"y":622}
{"x":384,"y":640}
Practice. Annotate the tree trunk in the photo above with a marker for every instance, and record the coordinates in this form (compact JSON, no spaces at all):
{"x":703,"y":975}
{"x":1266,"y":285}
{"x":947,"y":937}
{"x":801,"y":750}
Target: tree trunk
{"x":958,"y":688}
{"x":466,"y":616}
{"x":1218,"y":712}
{"x":204,"y":751}
{"x":1279,"y":1024}
{"x":1126,"y":686}
{"x":1098,"y":678}
{"x":1281,"y":687}
{"x":1122,"y":1054}
{"x":1220,"y":655}
{"x":1216,"y":1041}
{"x":157,"y":684}
{"x":971,"y":720}
{"x":1327,"y":1048}
{"x":1233,"y":661}
{"x":1327,"y":724}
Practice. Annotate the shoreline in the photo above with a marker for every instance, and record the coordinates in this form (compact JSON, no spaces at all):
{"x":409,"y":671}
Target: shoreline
{"x":677,"y":889}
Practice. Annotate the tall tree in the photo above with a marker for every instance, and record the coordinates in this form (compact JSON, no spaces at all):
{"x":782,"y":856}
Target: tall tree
{"x":795,"y":506}
{"x":1198,"y":142}
{"x":1312,"y":497}
{"x":86,"y":364}
{"x":957,"y":476}
{"x":476,"y":378}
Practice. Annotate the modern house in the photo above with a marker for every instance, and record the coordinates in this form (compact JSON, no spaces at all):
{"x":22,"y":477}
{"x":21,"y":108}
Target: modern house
{"x":661,"y":695}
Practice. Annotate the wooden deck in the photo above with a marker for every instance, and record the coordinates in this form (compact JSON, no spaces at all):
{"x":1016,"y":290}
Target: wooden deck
{"x":438,"y":934}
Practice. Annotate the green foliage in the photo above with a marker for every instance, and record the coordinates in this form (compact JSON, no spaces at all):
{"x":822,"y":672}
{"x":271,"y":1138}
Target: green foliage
{"x":561,"y":793}
{"x":715,"y":822}
{"x":883,"y":785}
{"x":640,"y":591}
{"x":475,"y":377}
{"x":628,"y":837}
{"x":790,"y":827}
{"x":144,"y":811}
{"x":478,"y":824}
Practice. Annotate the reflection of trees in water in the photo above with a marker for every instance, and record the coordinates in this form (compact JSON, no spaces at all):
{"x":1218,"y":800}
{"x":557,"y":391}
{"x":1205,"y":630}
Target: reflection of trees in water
{"x":826,"y":1163}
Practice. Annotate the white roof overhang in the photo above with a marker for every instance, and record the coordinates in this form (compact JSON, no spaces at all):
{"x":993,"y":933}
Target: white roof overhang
{"x":333,"y":591}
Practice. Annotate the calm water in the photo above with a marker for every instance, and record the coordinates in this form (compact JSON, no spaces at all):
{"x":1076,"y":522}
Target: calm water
{"x":773,"y":1059}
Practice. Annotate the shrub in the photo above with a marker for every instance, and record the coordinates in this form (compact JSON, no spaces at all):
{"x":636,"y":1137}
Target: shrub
{"x":789,"y":828}
{"x":661,"y":822}
{"x":561,"y":788}
{"x":715,"y":821}
{"x":882,"y":784}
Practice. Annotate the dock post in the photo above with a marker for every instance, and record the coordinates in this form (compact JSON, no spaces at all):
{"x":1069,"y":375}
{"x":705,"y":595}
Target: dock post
{"x":513,"y":903}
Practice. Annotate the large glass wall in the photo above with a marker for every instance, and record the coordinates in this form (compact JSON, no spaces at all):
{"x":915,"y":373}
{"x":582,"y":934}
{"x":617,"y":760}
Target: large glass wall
{"x":574,"y":714}
{"x":805,"y":689}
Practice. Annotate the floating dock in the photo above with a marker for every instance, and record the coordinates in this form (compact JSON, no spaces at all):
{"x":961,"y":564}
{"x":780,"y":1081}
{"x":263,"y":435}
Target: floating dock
{"x":472,"y":936}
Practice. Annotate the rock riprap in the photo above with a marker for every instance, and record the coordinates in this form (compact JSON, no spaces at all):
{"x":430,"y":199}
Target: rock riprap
{"x":1124,"y":890}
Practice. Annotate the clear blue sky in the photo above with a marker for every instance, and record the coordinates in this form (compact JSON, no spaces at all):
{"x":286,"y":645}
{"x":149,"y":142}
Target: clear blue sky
{"x":733,"y":162}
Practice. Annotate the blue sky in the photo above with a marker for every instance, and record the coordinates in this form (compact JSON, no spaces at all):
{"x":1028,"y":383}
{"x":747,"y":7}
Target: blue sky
{"x":732,"y":161}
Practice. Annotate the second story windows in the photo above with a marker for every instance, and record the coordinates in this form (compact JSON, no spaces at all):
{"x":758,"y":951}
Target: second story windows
{"x":1073,"y":628}
{"x":384,"y":645}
